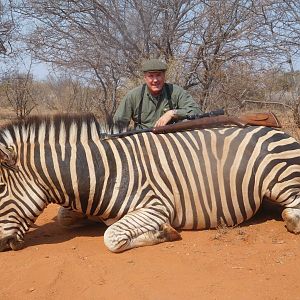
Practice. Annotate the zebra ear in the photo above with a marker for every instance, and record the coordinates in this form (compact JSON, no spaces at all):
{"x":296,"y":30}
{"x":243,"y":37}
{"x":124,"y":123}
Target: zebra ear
{"x":7,"y":155}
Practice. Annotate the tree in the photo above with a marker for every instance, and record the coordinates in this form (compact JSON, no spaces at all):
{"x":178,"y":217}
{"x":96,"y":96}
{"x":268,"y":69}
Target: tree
{"x":103,"y":42}
{"x":19,"y":93}
{"x":5,"y":27}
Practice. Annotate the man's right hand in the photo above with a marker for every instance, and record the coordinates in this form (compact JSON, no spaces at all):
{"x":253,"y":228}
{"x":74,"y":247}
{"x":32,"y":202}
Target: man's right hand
{"x":166,"y":118}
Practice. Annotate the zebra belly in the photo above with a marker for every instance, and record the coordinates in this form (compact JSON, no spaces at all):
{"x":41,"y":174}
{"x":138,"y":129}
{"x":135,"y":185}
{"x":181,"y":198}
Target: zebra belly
{"x":201,"y":215}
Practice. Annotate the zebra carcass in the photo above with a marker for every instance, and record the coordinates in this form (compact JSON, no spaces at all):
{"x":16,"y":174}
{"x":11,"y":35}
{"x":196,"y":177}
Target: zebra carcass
{"x":143,"y":186}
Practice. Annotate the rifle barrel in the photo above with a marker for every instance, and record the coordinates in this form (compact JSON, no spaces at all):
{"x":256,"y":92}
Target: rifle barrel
{"x":213,"y":113}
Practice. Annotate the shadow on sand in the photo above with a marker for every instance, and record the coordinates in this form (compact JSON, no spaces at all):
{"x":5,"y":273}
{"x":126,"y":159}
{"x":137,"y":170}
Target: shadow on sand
{"x":267,"y":211}
{"x":53,"y":233}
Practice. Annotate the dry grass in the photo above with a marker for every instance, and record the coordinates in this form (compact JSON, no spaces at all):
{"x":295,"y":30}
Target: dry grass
{"x":6,"y":115}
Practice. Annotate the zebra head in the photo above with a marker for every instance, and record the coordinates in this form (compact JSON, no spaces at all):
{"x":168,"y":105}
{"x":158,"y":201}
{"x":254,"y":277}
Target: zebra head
{"x":17,"y":211}
{"x":10,"y":240}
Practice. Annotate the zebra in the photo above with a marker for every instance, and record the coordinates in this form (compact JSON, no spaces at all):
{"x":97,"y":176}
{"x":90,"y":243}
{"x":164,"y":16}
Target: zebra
{"x":146,"y":186}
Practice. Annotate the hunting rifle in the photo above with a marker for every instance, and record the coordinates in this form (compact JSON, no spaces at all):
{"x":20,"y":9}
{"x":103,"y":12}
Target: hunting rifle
{"x":211,"y":119}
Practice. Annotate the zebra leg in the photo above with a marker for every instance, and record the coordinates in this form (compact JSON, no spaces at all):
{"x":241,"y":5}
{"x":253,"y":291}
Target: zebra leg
{"x":70,"y":218}
{"x":137,"y":230}
{"x":291,"y":216}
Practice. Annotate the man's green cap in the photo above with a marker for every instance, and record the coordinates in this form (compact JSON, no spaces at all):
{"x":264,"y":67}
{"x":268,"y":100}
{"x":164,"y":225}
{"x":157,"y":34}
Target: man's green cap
{"x":153,"y":65}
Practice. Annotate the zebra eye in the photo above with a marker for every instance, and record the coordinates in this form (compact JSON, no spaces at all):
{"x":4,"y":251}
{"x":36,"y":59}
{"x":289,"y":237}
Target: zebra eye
{"x":2,"y":187}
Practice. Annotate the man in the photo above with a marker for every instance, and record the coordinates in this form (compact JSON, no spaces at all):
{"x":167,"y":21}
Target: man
{"x":155,"y":103}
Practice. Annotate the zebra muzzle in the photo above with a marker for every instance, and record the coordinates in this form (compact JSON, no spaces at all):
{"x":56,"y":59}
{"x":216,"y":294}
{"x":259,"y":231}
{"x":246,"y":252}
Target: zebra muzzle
{"x":11,"y":243}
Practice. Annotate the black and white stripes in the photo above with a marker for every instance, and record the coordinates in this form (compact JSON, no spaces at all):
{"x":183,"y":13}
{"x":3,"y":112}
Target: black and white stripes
{"x":144,"y":184}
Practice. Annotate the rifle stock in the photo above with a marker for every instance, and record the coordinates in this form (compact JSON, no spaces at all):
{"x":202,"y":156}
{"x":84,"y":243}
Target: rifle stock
{"x":258,"y":119}
{"x":261,"y":119}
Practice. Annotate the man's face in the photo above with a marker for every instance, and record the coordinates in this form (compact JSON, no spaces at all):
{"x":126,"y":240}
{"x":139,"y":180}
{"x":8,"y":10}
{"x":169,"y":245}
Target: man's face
{"x":155,"y":81}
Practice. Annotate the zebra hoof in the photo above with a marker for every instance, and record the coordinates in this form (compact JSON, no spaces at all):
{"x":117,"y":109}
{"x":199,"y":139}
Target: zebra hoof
{"x":169,"y":233}
{"x":70,"y":218}
{"x":292,"y":219}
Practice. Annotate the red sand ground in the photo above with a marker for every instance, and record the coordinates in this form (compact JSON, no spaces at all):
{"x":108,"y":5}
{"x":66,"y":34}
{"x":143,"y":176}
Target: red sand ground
{"x":259,"y":260}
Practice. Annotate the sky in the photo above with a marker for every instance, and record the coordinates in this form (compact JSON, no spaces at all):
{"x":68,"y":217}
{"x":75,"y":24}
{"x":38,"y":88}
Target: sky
{"x":40,"y":71}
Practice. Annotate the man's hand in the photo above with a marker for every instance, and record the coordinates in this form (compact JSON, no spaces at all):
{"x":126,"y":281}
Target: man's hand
{"x":166,"y":118}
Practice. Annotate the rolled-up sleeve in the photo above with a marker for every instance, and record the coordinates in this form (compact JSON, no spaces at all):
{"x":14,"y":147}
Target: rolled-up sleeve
{"x":123,"y":114}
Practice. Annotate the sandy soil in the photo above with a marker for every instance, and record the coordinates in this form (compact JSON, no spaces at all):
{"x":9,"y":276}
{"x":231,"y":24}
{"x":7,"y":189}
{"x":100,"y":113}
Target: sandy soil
{"x":259,"y":260}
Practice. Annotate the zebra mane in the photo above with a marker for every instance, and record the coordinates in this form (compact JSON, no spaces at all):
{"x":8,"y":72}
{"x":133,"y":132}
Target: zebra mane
{"x":23,"y":130}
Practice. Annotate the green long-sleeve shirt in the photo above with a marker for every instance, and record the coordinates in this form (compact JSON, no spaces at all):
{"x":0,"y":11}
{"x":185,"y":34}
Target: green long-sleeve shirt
{"x":154,"y":107}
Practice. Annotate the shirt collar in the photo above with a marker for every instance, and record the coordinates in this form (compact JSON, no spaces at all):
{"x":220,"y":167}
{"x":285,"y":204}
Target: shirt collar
{"x":156,"y":98}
